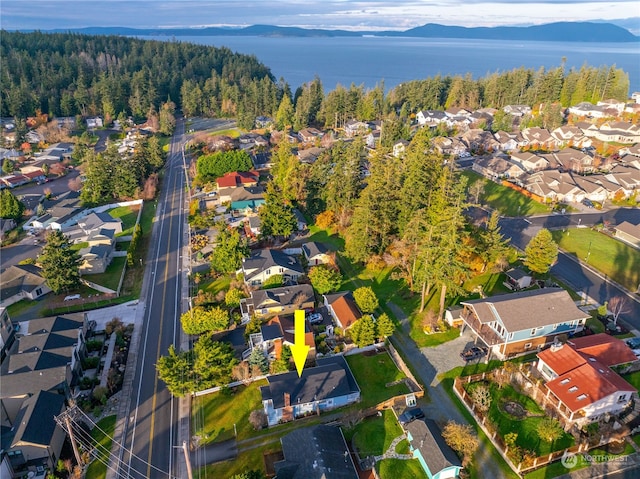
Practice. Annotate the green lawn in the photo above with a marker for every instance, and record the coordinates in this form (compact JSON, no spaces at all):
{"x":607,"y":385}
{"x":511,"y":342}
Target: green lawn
{"x":103,"y":435}
{"x":615,"y":259}
{"x":214,"y":286}
{"x":374,"y":435}
{"x":78,"y":246}
{"x":372,"y":374}
{"x":397,"y":469}
{"x":128,"y":215}
{"x":251,"y":460}
{"x":633,"y":379}
{"x":506,"y":200}
{"x":214,"y":415}
{"x":17,"y":308}
{"x":111,"y":277}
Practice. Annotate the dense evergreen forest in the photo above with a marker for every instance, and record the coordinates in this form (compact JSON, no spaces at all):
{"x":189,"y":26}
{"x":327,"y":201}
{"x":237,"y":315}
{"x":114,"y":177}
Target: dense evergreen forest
{"x":71,"y":74}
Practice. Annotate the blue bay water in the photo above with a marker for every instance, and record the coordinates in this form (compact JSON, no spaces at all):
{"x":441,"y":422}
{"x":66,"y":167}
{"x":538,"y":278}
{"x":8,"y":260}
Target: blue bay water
{"x":367,"y":60}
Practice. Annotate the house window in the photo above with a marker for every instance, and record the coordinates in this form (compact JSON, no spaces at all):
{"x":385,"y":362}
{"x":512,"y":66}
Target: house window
{"x":555,"y":326}
{"x":527,"y":346}
{"x":533,"y":331}
{"x":581,"y":397}
{"x":510,"y":335}
{"x":622,"y":398}
{"x":565,"y":381}
{"x":573,"y":389}
{"x":38,"y":291}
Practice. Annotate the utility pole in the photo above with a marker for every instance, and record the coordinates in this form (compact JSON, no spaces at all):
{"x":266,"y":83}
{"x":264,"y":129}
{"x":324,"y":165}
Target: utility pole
{"x":187,"y":459}
{"x":66,"y":418}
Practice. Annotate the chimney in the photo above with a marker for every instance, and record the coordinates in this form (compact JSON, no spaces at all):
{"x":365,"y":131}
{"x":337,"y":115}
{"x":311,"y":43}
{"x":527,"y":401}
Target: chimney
{"x":287,"y":400}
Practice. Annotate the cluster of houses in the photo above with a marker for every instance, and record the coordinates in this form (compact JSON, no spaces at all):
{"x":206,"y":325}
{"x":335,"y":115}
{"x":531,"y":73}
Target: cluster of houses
{"x":41,"y":365}
{"x":30,"y":169}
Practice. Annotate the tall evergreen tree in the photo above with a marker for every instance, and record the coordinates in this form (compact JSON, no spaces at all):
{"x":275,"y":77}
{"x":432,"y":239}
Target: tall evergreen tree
{"x":10,"y":206}
{"x":60,"y":264}
{"x":541,"y":252}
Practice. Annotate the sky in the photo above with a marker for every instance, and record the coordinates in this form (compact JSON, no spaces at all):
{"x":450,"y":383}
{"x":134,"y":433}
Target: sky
{"x":330,"y":14}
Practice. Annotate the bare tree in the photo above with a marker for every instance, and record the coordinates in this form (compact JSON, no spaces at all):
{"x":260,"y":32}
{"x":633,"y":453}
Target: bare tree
{"x":618,"y":305}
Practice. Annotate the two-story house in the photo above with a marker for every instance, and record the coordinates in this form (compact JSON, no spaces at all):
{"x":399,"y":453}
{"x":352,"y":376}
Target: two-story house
{"x":266,"y":263}
{"x":516,"y":323}
{"x":276,"y":334}
{"x":264,"y":303}
{"x":580,"y":377}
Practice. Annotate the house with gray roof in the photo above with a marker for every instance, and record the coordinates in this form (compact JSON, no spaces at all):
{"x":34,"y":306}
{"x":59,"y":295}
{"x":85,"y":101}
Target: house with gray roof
{"x":95,"y":258}
{"x":265,"y":263}
{"x":264,"y":303}
{"x":34,"y":441}
{"x":316,"y":253}
{"x":327,"y":386}
{"x":516,"y":323}
{"x":316,"y":452}
{"x":427,"y":445}
{"x":22,"y":281}
{"x":629,"y":233}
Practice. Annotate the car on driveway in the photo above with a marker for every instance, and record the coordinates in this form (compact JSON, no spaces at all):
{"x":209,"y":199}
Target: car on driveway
{"x":472,"y":353}
{"x":633,"y":343}
{"x":315,"y":318}
{"x":587,"y":202}
{"x":410,"y":415}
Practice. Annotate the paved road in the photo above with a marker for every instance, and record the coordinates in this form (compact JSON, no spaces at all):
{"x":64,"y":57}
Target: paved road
{"x":567,"y":269}
{"x":151,"y":432}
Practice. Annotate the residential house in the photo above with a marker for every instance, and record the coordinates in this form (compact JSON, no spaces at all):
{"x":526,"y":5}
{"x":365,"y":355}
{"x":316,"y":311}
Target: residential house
{"x":427,"y":445}
{"x":46,"y":356}
{"x":310,"y":155}
{"x":316,"y":253}
{"x":327,"y":386}
{"x":588,"y":129}
{"x":243,"y":199}
{"x":264,"y":303}
{"x":554,"y":185}
{"x":261,"y":160}
{"x":276,"y":334}
{"x":497,"y":167}
{"x":529,"y":161}
{"x":450,"y":146}
{"x":6,"y":225}
{"x":619,"y":132}
{"x":482,"y":118}
{"x":264,"y":122}
{"x":399,"y":148}
{"x":7,"y":333}
{"x":93,"y":123}
{"x":453,"y":316}
{"x":35,"y":440}
{"x":95,"y":259}
{"x":515,"y":323}
{"x":343,"y":308}
{"x":627,"y":176}
{"x":61,"y":213}
{"x":613,"y":104}
{"x":455,"y":111}
{"x":237,"y":179}
{"x":579,"y":377}
{"x":372,"y":140}
{"x":23,"y":281}
{"x":517,"y":110}
{"x":301,"y":221}
{"x":355,"y":128}
{"x":518,"y":279}
{"x":310,"y":135}
{"x":587,"y":110}
{"x":252,"y":226}
{"x":250,"y":140}
{"x":506,"y":141}
{"x":265,"y":263}
{"x":430,"y":118}
{"x":100,"y":221}
{"x":633,"y":150}
{"x":11,"y":181}
{"x":315,"y":452}
{"x":629,"y":233}
{"x":596,"y":187}
{"x":570,"y":159}
{"x":539,"y":138}
{"x":34,"y":173}
{"x":571,"y":135}
{"x":222,"y":143}
{"x":480,"y":140}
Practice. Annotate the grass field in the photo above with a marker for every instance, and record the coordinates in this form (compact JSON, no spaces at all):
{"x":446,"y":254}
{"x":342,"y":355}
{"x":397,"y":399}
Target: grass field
{"x":633,"y":379}
{"x":128,"y":215}
{"x":372,"y":374}
{"x":397,"y":468}
{"x":214,"y":415}
{"x":373,"y":436}
{"x":506,"y":200}
{"x":611,"y":257}
{"x":103,"y":435}
{"x":111,"y":277}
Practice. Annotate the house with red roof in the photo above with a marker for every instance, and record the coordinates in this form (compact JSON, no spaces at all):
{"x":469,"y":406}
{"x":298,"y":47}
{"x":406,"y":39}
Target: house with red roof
{"x":236,"y":179}
{"x":580,"y":377}
{"x":343,"y":309}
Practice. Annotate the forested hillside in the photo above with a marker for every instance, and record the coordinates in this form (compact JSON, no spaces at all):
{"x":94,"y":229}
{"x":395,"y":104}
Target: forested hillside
{"x":68,"y":74}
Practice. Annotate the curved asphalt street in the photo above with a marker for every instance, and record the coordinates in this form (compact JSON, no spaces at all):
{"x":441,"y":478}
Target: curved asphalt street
{"x":577,"y":275}
{"x":151,"y":429}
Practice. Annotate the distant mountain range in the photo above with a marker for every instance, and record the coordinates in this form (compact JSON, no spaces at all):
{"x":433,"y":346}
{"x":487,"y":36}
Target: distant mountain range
{"x":552,"y":32}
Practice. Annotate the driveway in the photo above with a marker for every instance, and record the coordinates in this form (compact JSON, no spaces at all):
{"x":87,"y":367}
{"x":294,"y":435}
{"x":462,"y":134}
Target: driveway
{"x":440,"y":407}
